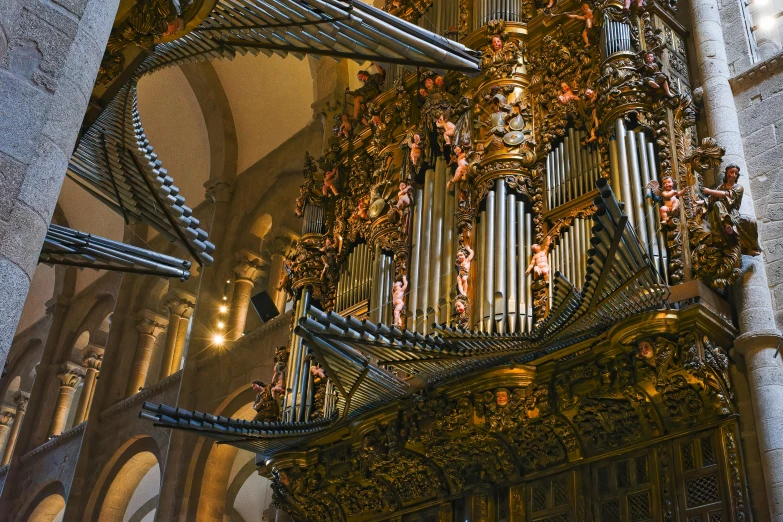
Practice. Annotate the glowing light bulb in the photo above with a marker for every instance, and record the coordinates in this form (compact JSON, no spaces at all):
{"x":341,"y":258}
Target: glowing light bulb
{"x":767,"y":23}
{"x":228,"y":281}
{"x":225,"y":298}
{"x":221,"y":325}
{"x":223,"y":309}
{"x":218,"y":339}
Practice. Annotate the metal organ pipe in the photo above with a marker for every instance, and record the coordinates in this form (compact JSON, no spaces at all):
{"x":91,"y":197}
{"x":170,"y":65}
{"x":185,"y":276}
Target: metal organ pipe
{"x":499,"y":256}
{"x":636,"y":189}
{"x":622,"y":162}
{"x":413,"y":275}
{"x":661,"y":241}
{"x":648,"y":211}
{"x":447,"y":260}
{"x":489,"y":266}
{"x":481,"y":258}
{"x":528,"y":288}
{"x":424,"y":259}
{"x":510,"y":253}
{"x":436,"y":241}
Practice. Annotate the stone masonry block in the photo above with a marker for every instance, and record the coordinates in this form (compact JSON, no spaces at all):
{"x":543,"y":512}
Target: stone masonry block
{"x":775,"y":273}
{"x":766,"y":162}
{"x":65,"y":116}
{"x":771,"y":230}
{"x":759,"y":141}
{"x":11,"y":177}
{"x":761,"y":115}
{"x":84,"y":59}
{"x":98,"y":19}
{"x":23,"y":108}
{"x":14,"y":284}
{"x":22,"y":248}
{"x":76,"y":7}
{"x":52,"y":42}
{"x":44,"y":180}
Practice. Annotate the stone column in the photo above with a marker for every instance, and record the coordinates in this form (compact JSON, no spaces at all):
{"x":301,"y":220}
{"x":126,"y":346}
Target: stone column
{"x":247,"y":270}
{"x":149,"y":326}
{"x":6,"y":419}
{"x":50,"y":63}
{"x":21,"y":406}
{"x":180,"y":305}
{"x":69,"y":380}
{"x":759,"y":335}
{"x":92,"y":366}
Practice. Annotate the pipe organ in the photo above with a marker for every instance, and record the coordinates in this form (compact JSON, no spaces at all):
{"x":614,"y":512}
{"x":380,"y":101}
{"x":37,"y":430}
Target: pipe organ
{"x":572,"y":169}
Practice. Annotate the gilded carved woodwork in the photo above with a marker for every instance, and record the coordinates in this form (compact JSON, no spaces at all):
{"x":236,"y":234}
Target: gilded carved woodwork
{"x":498,"y":429}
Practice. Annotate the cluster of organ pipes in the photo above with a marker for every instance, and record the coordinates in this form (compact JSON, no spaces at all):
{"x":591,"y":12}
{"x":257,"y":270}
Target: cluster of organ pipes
{"x":431,"y":278}
{"x":503,"y":250}
{"x":567,"y":252}
{"x":355,"y":278}
{"x":572,"y":169}
{"x":632,"y":164}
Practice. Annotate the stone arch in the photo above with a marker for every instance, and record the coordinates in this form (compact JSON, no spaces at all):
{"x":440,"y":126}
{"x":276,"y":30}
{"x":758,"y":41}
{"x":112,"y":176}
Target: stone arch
{"x":249,"y":496}
{"x":120,"y":480}
{"x":261,"y":226}
{"x":210,"y":470}
{"x":48,"y":505}
{"x":221,"y":132}
{"x":21,"y":369}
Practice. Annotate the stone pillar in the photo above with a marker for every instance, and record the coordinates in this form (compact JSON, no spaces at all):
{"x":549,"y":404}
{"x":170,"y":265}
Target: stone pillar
{"x":759,"y":335}
{"x":69,"y":380}
{"x":6,"y":419}
{"x":149,"y":326}
{"x":180,"y":305}
{"x":247,"y":270}
{"x":20,"y":400}
{"x":49,"y":67}
{"x":92,"y":366}
{"x":276,"y":270}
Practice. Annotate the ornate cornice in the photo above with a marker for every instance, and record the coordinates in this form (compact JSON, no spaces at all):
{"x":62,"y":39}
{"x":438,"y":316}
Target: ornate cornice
{"x":59,"y":440}
{"x":170,"y":381}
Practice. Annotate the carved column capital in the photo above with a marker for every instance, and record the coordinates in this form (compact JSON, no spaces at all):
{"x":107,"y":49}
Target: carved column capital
{"x":92,"y":361}
{"x":150,"y":323}
{"x":21,"y":399}
{"x":7,"y":418}
{"x":219,"y":190}
{"x":249,"y":265}
{"x":179,"y":302}
{"x":69,"y":378}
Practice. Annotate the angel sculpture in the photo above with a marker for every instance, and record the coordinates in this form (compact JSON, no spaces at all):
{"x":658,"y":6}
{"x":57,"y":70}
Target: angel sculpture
{"x":461,"y":315}
{"x":461,"y":172}
{"x":539,"y":262}
{"x":328,"y":257}
{"x":653,"y":76}
{"x":345,"y":127}
{"x":669,"y":198}
{"x":415,"y":145}
{"x":404,"y":196}
{"x":587,"y":16}
{"x":330,"y":182}
{"x":462,"y":264}
{"x":448,"y":129}
{"x":591,"y":119}
{"x":398,"y":299}
{"x":656,"y":356}
{"x":566,"y":95}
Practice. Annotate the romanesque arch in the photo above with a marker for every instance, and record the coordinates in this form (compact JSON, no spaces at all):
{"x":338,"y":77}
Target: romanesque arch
{"x":129,"y":483}
{"x":48,"y":505}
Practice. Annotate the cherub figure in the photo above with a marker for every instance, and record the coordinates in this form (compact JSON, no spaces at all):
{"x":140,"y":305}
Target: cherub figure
{"x":566,"y":94}
{"x":653,"y":76}
{"x":330,"y":182}
{"x":627,"y":4}
{"x":398,"y":300}
{"x":656,"y":356}
{"x":345,"y":127}
{"x":448,"y":129}
{"x":404,"y":196}
{"x":415,"y":149}
{"x":587,"y":16}
{"x":669,"y":198}
{"x":461,"y":172}
{"x":278,"y":381}
{"x":539,"y":263}
{"x":462,"y":264}
{"x":589,"y":99}
{"x":371,"y":87}
{"x":462,"y":316}
{"x":328,"y":257}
